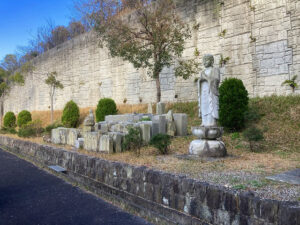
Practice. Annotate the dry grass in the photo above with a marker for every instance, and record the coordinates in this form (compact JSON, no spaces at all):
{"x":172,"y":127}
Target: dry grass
{"x":45,"y":116}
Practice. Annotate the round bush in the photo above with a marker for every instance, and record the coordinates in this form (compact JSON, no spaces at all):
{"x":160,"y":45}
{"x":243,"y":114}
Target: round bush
{"x":106,"y":106}
{"x":70,"y":115}
{"x":9,"y":120}
{"x":24,"y":117}
{"x":233,"y":104}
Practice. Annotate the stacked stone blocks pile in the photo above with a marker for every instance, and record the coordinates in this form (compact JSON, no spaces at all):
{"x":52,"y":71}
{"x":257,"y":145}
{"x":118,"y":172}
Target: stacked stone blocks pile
{"x":108,"y":136}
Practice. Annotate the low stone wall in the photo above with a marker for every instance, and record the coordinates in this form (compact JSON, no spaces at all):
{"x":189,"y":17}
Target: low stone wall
{"x":169,"y":198}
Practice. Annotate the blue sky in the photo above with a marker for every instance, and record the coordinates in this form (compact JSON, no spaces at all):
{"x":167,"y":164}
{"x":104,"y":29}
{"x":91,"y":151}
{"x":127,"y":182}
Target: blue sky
{"x":19,"y":20}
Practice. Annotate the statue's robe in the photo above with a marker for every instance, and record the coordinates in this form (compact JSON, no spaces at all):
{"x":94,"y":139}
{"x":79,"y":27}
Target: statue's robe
{"x":208,"y":95}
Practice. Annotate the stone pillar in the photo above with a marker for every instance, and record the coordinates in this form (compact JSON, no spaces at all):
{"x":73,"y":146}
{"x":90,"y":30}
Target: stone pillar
{"x":160,"y":108}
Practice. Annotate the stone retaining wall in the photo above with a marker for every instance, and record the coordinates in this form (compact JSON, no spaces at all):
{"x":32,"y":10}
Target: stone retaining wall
{"x":170,"y":198}
{"x":262,"y":39}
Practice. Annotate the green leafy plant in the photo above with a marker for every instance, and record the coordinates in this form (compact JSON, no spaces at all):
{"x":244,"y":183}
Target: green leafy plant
{"x":186,"y":68}
{"x":9,"y":120}
{"x":240,"y":187}
{"x":31,"y":129}
{"x":292,"y":83}
{"x":223,"y":33}
{"x":133,"y":140}
{"x":145,"y":119}
{"x":224,"y":60}
{"x":161,"y":142}
{"x":5,"y":130}
{"x":24,"y":117}
{"x":233,"y":104}
{"x":252,"y":135}
{"x":106,"y":106}
{"x":253,"y":39}
{"x":70,"y":116}
{"x":18,"y":78}
{"x":52,"y":126}
{"x":235,"y":135}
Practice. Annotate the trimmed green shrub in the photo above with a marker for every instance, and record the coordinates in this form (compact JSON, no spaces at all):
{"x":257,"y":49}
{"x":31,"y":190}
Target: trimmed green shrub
{"x":252,"y":135}
{"x":106,"y":106}
{"x":233,"y":104}
{"x":9,"y":120}
{"x":31,"y":129}
{"x":133,"y":140}
{"x":24,"y":117}
{"x":161,"y":142}
{"x":70,"y":115}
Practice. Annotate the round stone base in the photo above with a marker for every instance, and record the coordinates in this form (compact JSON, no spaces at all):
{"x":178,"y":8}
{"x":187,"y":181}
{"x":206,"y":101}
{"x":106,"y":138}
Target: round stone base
{"x":211,"y":133}
{"x":207,"y":148}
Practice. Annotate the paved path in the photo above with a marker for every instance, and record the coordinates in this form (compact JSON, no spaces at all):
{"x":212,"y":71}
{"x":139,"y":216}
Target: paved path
{"x":31,"y":196}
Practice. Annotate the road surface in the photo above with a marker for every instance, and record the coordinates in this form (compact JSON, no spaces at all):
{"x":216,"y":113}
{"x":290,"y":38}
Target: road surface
{"x":31,"y":196}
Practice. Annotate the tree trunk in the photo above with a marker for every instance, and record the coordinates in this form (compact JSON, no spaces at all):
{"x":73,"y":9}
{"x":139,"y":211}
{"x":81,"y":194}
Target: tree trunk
{"x":52,"y":109}
{"x":158,"y":91}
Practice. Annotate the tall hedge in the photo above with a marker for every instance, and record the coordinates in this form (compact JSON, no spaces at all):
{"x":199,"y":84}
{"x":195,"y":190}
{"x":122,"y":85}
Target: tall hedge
{"x":70,"y":117}
{"x":233,"y":104}
{"x":24,"y":117}
{"x":106,"y":106}
{"x":9,"y":120}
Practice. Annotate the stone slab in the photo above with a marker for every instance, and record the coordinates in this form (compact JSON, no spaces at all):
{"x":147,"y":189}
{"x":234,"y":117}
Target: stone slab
{"x":290,"y":177}
{"x":91,"y":141}
{"x":181,"y":122}
{"x":106,"y":144}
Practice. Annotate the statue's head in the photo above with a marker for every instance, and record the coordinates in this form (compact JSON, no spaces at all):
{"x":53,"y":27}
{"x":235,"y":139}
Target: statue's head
{"x":91,"y":111}
{"x":208,"y":60}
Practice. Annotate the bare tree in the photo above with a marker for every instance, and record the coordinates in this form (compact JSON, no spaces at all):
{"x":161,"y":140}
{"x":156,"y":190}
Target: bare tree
{"x":76,"y":28}
{"x":53,"y":83}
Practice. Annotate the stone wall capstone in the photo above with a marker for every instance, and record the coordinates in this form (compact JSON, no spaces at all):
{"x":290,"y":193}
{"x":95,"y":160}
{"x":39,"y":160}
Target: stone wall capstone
{"x":262,"y":40}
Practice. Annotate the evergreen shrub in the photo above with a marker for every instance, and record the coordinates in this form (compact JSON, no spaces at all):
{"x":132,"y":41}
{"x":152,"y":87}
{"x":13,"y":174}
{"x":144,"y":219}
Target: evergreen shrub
{"x":24,"y":117}
{"x":106,"y":106}
{"x":233,"y":104}
{"x":9,"y":120}
{"x":70,"y":116}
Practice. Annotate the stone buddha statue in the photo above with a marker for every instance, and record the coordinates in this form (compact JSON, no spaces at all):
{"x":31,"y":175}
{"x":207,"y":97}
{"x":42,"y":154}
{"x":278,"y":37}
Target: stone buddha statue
{"x":208,"y":142}
{"x":208,"y":92}
{"x":89,"y":122}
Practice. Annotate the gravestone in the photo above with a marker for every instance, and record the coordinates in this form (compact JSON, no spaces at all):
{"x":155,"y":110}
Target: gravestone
{"x":160,"y":108}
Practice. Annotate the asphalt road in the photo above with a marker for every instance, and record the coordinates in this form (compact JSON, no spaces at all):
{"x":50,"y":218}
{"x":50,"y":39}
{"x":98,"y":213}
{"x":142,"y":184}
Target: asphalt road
{"x":31,"y":196}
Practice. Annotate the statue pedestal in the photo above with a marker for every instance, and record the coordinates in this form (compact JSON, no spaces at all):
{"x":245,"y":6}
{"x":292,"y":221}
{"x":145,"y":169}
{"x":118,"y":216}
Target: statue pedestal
{"x":207,"y":145}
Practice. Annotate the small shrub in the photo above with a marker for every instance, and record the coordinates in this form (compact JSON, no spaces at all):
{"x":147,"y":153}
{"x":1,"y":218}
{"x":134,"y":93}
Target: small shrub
{"x":5,"y":130}
{"x":235,"y":136}
{"x":133,"y":140}
{"x":252,"y":135}
{"x":252,"y":115}
{"x":9,"y":120}
{"x":52,"y":126}
{"x":24,"y":117}
{"x":31,"y":129}
{"x":233,"y":104}
{"x":161,"y":142}
{"x":70,"y":116}
{"x":106,"y":106}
